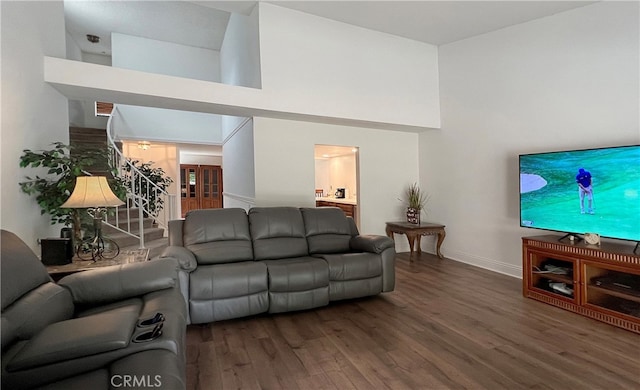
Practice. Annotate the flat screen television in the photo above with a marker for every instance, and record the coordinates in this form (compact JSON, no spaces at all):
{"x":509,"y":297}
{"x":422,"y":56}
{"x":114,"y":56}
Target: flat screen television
{"x":580,"y":191}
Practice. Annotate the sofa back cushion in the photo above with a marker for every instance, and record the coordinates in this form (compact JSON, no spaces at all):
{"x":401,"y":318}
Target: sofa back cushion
{"x":22,"y":271}
{"x":277,"y":233}
{"x":218,"y":235}
{"x":327,"y":230}
{"x":30,"y":301}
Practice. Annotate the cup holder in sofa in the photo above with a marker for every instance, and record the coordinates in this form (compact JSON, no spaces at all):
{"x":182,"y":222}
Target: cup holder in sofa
{"x":150,"y":334}
{"x":156,"y":319}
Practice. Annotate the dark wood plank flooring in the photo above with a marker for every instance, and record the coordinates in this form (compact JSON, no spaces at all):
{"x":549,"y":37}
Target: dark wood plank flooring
{"x":447,"y":325}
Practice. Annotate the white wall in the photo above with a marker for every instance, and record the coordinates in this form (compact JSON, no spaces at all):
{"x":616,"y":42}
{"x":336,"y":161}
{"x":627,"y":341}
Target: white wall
{"x":99,"y":59}
{"x":343,"y":171}
{"x":200,"y":159}
{"x":238,"y":174}
{"x":34,"y":114}
{"x":171,"y":59}
{"x":240,"y":51}
{"x":82,"y":112}
{"x":163,"y":156}
{"x":562,"y":82}
{"x":240,"y":60}
{"x":325,"y":67}
{"x":285,"y":167}
{"x":150,"y":55}
{"x":323,"y":175}
{"x":337,"y":172}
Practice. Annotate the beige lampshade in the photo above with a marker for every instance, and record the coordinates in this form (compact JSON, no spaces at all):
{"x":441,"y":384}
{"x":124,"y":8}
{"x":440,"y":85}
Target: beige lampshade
{"x":91,"y":191}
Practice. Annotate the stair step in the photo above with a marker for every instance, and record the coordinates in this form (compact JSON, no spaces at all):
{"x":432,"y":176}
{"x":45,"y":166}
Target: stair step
{"x":125,"y":240}
{"x":122,"y":213}
{"x":156,"y":247}
{"x":123,"y":224}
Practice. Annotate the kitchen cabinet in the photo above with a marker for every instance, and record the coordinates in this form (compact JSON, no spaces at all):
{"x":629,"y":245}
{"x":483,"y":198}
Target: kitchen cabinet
{"x":349,"y":208}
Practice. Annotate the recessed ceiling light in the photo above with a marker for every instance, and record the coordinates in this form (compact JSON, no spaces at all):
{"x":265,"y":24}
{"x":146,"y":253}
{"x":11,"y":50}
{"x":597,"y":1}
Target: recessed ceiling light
{"x":93,"y":38}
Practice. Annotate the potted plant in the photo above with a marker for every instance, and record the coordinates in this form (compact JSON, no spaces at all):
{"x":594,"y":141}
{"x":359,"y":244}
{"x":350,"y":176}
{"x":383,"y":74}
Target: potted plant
{"x":157,"y":176}
{"x":416,"y":201}
{"x":64,"y":167}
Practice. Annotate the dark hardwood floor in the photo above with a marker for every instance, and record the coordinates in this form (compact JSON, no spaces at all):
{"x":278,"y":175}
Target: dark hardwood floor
{"x":446,"y":326}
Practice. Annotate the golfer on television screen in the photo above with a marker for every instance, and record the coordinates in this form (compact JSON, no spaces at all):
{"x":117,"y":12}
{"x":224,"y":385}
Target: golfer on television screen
{"x":583,"y":178}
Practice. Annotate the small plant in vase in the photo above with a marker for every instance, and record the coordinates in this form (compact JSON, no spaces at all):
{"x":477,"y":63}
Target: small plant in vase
{"x":416,"y":201}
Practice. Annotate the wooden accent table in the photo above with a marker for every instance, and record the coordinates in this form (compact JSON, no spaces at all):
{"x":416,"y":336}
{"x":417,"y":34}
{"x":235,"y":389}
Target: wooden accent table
{"x":413,"y":231}
{"x":57,"y":272}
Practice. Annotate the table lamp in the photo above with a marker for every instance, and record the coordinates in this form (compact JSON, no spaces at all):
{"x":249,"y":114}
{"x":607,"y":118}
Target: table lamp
{"x":94,"y":194}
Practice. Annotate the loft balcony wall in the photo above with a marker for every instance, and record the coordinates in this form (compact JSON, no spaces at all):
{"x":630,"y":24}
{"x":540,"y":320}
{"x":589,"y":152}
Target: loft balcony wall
{"x":170,"y":59}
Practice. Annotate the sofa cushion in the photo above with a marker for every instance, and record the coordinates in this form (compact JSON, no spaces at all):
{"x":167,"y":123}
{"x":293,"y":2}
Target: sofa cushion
{"x":228,"y":280}
{"x":218,"y":235}
{"x":223,"y":291}
{"x":297,"y":284}
{"x":327,"y":230}
{"x":297,"y":274}
{"x":277,"y":233}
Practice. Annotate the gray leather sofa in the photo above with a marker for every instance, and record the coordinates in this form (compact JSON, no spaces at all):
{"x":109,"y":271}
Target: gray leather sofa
{"x":275,"y":259}
{"x":92,"y":330}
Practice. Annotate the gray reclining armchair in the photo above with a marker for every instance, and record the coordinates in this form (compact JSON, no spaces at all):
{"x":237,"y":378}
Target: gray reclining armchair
{"x":95,"y":329}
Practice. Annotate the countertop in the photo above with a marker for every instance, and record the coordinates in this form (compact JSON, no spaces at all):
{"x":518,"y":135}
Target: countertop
{"x":337,"y":200}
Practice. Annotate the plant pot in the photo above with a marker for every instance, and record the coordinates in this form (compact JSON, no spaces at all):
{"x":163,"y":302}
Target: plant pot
{"x":413,"y":215}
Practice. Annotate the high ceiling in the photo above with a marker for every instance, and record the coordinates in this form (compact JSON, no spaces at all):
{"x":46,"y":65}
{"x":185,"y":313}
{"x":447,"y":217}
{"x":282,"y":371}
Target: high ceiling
{"x":435,"y":22}
{"x":203,"y":23}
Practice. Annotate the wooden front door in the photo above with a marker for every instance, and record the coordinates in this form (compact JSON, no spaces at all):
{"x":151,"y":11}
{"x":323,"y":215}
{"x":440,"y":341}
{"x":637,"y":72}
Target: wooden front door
{"x":200,"y":187}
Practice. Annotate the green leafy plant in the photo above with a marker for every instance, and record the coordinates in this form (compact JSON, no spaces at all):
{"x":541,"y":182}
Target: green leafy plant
{"x":157,"y":176}
{"x":415,"y":197}
{"x":64,"y":165}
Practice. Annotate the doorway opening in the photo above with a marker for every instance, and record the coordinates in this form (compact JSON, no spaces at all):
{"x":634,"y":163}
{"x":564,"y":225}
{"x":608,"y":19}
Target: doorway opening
{"x":337,"y":178}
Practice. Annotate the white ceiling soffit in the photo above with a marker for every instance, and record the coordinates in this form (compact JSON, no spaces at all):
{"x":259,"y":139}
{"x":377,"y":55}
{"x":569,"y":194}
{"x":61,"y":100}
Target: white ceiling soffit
{"x":434,"y":22}
{"x":180,"y":22}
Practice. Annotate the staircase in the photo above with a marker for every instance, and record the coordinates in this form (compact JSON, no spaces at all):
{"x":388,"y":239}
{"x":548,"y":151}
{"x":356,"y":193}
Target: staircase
{"x":154,"y":238}
{"x":125,"y":228}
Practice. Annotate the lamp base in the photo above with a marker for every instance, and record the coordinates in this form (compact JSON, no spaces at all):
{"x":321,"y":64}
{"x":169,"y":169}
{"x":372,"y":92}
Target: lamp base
{"x":97,"y":247}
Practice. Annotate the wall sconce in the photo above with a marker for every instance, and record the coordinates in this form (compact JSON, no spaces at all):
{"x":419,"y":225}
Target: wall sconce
{"x":144,"y":145}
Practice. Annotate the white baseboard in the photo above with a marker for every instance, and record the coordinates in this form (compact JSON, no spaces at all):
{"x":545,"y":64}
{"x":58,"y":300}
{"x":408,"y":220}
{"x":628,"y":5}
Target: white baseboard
{"x":483,"y":262}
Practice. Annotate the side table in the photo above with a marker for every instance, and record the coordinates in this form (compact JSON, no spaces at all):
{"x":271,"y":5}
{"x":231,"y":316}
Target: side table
{"x":57,"y":272}
{"x":416,"y":231}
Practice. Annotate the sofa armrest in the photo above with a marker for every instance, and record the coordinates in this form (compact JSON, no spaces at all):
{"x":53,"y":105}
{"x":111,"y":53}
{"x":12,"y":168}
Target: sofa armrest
{"x":370,"y":243}
{"x":119,"y":282}
{"x":186,"y":259}
{"x":76,"y":338}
